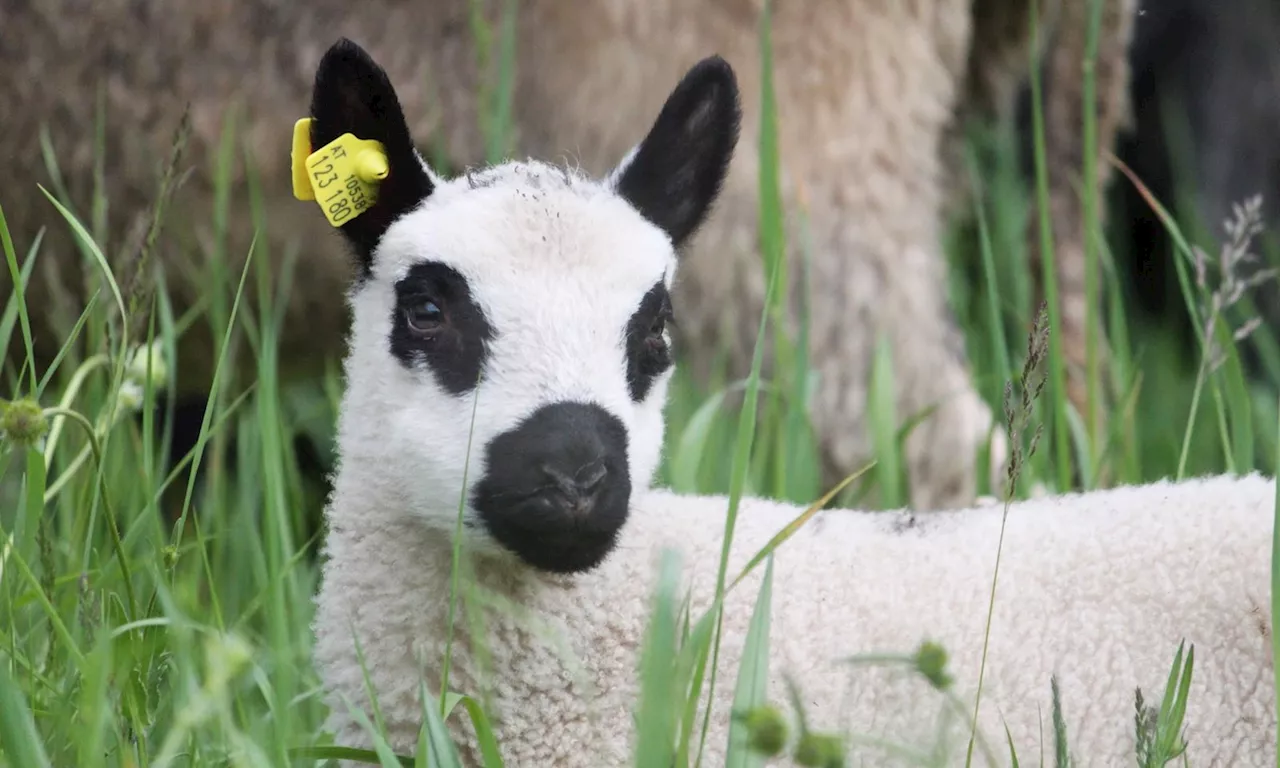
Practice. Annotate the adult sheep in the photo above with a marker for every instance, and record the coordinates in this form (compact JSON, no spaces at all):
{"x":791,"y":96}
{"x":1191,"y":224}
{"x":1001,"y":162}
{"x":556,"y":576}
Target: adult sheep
{"x":872,"y":97}
{"x":508,"y":362}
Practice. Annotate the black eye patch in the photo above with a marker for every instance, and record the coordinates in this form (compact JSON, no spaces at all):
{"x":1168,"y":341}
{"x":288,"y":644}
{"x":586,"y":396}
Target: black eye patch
{"x":648,"y":355}
{"x":456,"y":348}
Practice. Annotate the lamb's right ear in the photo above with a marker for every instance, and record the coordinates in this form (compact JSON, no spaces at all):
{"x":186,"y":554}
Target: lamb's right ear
{"x":674,"y":175}
{"x":352,"y":94}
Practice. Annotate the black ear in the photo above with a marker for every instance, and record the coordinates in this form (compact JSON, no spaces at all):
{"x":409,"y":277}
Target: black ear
{"x":676,"y":172}
{"x":352,"y":94}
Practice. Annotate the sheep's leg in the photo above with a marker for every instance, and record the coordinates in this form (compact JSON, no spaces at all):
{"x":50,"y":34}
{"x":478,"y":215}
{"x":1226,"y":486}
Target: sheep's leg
{"x":875,"y":274}
{"x":865,"y":158}
{"x":999,"y":63}
{"x":999,"y":59}
{"x":1063,"y":125}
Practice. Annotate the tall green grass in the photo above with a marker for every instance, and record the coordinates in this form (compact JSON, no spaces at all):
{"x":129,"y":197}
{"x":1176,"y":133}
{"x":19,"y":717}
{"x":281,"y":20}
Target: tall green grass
{"x":129,"y":643}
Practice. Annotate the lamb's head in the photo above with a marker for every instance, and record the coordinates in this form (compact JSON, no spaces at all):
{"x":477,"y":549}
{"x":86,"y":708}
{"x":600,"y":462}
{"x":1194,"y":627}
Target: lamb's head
{"x":520,"y":313}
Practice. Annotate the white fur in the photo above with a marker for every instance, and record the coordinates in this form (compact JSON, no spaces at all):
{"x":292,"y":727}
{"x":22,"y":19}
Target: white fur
{"x":1096,"y":588}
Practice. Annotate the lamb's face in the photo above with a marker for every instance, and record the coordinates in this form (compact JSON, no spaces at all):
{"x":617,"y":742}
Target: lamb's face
{"x":527,"y":318}
{"x":510,"y":349}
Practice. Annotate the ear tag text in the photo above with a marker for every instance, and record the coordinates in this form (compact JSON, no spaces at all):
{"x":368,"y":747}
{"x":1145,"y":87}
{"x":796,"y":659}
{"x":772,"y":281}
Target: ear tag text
{"x":342,"y":176}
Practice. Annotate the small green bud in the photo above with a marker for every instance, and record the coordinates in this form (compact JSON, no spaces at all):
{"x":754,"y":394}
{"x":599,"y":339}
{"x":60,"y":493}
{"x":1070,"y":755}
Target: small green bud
{"x":819,"y":750}
{"x":236,"y":652}
{"x":226,"y":655}
{"x":931,"y":661}
{"x":766,"y":730}
{"x":130,"y":397}
{"x":149,"y":355}
{"x":23,"y":422}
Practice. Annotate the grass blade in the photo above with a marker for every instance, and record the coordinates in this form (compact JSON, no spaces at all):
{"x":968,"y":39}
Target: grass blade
{"x":19,"y":739}
{"x":753,"y":676}
{"x":655,"y":725}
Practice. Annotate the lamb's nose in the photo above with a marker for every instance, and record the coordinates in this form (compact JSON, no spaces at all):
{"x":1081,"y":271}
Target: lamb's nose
{"x":579,"y":485}
{"x":556,"y":490}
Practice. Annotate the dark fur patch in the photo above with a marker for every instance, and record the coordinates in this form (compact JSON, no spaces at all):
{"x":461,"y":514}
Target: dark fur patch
{"x":352,"y":94}
{"x":648,"y":355}
{"x":456,"y":349}
{"x":681,"y":165}
{"x":557,"y":487}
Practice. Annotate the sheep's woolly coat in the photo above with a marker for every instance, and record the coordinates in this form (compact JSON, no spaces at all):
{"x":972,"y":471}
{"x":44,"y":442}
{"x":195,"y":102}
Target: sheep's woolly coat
{"x":1097,"y":589}
{"x":870,"y":95}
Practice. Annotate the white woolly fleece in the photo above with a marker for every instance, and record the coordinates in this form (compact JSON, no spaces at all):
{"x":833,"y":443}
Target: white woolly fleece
{"x":1096,"y":588}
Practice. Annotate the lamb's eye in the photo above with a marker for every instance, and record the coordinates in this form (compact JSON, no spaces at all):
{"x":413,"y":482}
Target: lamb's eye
{"x":424,"y":316}
{"x":658,"y":327}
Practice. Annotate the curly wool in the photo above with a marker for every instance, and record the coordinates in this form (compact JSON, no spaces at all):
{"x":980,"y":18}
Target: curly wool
{"x":1096,"y":588}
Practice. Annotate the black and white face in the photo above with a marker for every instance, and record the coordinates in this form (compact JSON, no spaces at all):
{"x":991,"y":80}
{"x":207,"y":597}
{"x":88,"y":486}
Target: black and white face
{"x":510,"y":349}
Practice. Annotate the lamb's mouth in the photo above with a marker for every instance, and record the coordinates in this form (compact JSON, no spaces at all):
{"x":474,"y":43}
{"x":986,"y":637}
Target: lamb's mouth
{"x":557,"y":489}
{"x":568,"y":550}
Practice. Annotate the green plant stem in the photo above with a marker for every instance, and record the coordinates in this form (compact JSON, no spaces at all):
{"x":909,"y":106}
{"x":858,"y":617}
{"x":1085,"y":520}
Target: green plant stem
{"x":68,"y":396}
{"x":116,"y":541}
{"x":1093,"y":376}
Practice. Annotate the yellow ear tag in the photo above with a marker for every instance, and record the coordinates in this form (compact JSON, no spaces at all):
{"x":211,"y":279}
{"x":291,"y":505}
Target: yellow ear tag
{"x":342,"y":176}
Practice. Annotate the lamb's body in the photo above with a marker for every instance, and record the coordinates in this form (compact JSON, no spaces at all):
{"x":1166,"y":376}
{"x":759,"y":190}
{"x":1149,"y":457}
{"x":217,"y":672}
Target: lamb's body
{"x":871,"y":97}
{"x":508,"y":363}
{"x":1098,"y":589}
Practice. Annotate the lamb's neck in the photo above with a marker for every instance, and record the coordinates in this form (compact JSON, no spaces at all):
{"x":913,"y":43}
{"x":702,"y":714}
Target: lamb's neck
{"x":375,"y":521}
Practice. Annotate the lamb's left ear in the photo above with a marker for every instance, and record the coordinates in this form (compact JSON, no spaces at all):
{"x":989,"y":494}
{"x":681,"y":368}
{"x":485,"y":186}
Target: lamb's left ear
{"x":352,"y":94}
{"x":674,"y":175}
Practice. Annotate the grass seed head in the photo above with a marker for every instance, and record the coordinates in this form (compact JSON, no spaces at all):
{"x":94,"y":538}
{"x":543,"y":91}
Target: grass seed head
{"x":820,"y":750}
{"x":931,"y":661}
{"x":23,"y":422}
{"x":766,"y":730}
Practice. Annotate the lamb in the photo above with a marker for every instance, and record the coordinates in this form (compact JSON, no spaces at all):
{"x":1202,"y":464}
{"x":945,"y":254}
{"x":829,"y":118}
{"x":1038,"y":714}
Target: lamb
{"x":873,"y":95}
{"x":509,"y":355}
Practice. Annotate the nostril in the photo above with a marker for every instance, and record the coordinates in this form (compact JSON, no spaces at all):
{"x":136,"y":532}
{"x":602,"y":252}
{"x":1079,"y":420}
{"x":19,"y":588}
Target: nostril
{"x":582,"y":484}
{"x":590,"y":476}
